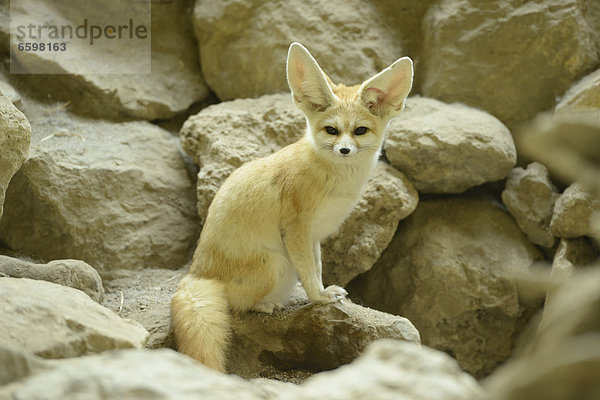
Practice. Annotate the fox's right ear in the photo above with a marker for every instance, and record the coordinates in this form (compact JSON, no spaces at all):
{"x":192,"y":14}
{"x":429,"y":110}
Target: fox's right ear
{"x":308,"y":83}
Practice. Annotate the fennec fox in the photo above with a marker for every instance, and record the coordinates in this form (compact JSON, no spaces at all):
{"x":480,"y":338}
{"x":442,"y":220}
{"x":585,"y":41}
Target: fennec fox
{"x":266,"y":222}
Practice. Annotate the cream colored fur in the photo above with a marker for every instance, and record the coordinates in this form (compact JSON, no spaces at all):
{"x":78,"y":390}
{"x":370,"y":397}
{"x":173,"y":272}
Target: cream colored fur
{"x":266,"y":222}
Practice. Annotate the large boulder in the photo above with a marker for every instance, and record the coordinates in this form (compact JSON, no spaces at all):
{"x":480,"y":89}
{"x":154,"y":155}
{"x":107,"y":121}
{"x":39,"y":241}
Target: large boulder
{"x":55,"y":321}
{"x":15,"y":135}
{"x":115,"y":195}
{"x":392,"y":370}
{"x":85,"y":77}
{"x":132,"y":374}
{"x":73,"y":273}
{"x":224,"y":136}
{"x":448,"y":148}
{"x":243,"y":52}
{"x":529,"y":195}
{"x":488,"y":55}
{"x":452,"y":269}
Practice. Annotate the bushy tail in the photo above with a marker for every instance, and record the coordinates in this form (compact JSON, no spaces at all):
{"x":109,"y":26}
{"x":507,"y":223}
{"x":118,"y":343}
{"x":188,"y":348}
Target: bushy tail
{"x":201,"y":320}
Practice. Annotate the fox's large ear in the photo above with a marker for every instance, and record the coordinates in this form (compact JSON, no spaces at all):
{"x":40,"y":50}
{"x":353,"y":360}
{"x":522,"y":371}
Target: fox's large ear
{"x":310,"y":88}
{"x":384,"y":94}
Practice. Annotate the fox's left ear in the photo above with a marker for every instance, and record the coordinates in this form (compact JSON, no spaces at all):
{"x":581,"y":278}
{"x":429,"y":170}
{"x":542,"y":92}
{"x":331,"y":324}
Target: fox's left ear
{"x":384,"y":94}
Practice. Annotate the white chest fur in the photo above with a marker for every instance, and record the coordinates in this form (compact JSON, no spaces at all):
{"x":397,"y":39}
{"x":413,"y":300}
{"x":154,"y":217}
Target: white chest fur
{"x":346,"y":185}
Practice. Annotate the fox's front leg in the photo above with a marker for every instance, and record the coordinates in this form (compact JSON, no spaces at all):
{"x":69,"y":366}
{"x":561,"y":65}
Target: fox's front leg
{"x":338,"y":291}
{"x":298,"y":242}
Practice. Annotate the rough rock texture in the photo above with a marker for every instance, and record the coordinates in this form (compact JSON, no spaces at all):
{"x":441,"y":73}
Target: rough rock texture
{"x":174,"y":84}
{"x":573,"y":211}
{"x":116,"y":195}
{"x":242,"y":51}
{"x":529,"y":196}
{"x":309,"y":337}
{"x":585,"y":94}
{"x":388,"y":198}
{"x":132,"y":374}
{"x":73,"y":273}
{"x":224,"y":136}
{"x":452,"y":269}
{"x":393,"y":370}
{"x":448,"y":148}
{"x":15,"y":135}
{"x":9,"y":91}
{"x":564,"y":361}
{"x":460,"y":64}
{"x":55,"y":321}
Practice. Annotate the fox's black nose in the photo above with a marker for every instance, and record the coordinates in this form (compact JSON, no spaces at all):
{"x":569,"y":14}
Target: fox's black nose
{"x":344,"y":150}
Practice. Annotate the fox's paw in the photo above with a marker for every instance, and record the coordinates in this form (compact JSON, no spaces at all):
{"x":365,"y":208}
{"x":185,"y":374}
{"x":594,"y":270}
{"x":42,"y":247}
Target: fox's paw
{"x":332,"y":294}
{"x":267,"y":308}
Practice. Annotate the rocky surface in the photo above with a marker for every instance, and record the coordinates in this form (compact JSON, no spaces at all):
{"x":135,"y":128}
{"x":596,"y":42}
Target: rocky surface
{"x":573,"y":212}
{"x":115,"y":195}
{"x":564,"y":359}
{"x":459,"y":66}
{"x":226,"y":46}
{"x":452,"y":269}
{"x":55,"y":321}
{"x":529,"y":196}
{"x":448,"y":148}
{"x":120,"y":197}
{"x":394,"y":370}
{"x":15,"y":135}
{"x":73,"y":273}
{"x":175,"y":81}
{"x":132,"y":374}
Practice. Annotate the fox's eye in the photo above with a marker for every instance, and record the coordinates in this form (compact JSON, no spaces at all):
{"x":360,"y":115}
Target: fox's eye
{"x":361,"y":130}
{"x":331,"y":130}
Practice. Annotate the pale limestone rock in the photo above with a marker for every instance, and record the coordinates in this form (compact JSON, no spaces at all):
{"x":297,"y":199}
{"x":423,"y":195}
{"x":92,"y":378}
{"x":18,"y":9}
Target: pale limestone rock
{"x":448,"y":148}
{"x":116,"y":195}
{"x":452,"y":269}
{"x":564,"y":360}
{"x":132,"y":374}
{"x":243,"y":51}
{"x":224,"y":136}
{"x":175,"y":83}
{"x":573,"y":212}
{"x":392,"y":370}
{"x":15,"y":135}
{"x":388,"y":198}
{"x":73,"y":273}
{"x":55,"y":321}
{"x":309,"y":336}
{"x":529,"y":196}
{"x":488,"y":54}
